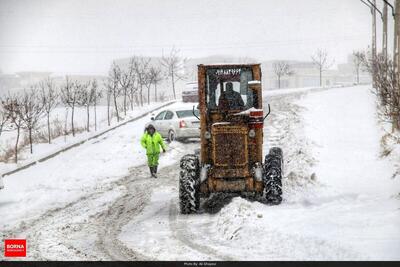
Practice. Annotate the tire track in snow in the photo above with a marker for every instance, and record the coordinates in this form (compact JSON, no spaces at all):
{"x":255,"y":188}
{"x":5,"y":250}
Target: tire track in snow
{"x":119,"y":214}
{"x":53,"y":235}
{"x":181,"y":233}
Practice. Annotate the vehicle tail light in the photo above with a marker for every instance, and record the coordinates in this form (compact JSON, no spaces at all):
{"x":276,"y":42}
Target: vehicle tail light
{"x":256,"y":120}
{"x":182,"y":124}
{"x":258,"y":113}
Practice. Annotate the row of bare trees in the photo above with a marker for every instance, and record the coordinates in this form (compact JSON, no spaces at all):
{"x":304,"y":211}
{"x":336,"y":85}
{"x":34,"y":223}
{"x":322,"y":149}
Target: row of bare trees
{"x":130,"y":84}
{"x":80,"y":94}
{"x":383,"y":69}
{"x":124,"y":88}
{"x":24,"y":111}
{"x":387,"y":85}
{"x":136,"y":81}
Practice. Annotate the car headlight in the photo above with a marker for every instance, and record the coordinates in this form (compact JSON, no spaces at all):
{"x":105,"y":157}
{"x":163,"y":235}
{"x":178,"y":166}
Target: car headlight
{"x":252,"y":133}
{"x":207,"y":135}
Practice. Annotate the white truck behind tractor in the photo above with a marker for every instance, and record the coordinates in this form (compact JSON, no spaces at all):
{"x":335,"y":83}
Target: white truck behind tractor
{"x":190,"y":94}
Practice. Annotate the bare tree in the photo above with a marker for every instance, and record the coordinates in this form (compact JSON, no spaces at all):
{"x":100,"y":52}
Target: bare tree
{"x":136,"y":99}
{"x":85,"y":99}
{"x":4,"y":119}
{"x":174,"y":67}
{"x":97,"y":94}
{"x":281,"y":69}
{"x":322,"y":62}
{"x":31,"y":111}
{"x":387,"y":87}
{"x":156,"y":77}
{"x":125,"y":82}
{"x":133,"y":85}
{"x":12,"y":106}
{"x":358,"y":58}
{"x":387,"y":83}
{"x":162,"y":97}
{"x":141,"y":70}
{"x":148,"y":81}
{"x":50,"y":99}
{"x":112,"y":84}
{"x":70,"y":96}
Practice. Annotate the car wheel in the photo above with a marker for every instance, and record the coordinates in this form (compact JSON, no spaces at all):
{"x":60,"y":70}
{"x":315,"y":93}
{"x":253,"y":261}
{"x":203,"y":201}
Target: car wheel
{"x":171,"y":136}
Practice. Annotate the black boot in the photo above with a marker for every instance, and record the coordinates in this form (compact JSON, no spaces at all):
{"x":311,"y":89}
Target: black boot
{"x":151,"y":171}
{"x":155,"y":171}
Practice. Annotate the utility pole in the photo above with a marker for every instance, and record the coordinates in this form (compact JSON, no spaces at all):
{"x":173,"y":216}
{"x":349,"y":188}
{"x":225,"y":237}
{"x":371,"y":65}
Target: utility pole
{"x":372,"y":6}
{"x":396,"y":47}
{"x":373,"y":11}
{"x":392,"y":7}
{"x":384,"y":30}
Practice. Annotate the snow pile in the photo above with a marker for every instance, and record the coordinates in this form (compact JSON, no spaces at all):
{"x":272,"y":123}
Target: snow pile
{"x":390,"y":149}
{"x":285,"y":128}
{"x":232,"y":218}
{"x":254,"y":231}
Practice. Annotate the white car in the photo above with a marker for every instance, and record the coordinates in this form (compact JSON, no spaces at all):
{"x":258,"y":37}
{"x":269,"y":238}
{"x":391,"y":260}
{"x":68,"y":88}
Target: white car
{"x":177,"y":123}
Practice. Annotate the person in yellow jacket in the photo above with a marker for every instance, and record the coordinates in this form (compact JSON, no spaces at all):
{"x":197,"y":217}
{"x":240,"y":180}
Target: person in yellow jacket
{"x":152,"y":141}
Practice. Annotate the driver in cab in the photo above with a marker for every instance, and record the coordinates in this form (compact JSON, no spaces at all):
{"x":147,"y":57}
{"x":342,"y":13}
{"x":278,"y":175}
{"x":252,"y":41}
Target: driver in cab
{"x":230,"y":99}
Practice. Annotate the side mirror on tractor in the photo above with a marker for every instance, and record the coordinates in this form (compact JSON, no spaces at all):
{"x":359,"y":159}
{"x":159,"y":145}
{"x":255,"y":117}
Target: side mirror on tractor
{"x":255,"y":87}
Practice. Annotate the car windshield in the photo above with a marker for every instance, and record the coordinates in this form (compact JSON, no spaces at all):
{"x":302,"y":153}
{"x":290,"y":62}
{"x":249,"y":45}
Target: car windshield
{"x":227,"y":88}
{"x":187,"y":113}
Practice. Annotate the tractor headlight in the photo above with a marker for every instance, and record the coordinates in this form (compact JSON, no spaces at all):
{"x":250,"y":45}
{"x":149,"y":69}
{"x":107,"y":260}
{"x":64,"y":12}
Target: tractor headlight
{"x":252,"y":133}
{"x":258,"y":172}
{"x":204,"y":172}
{"x":207,"y":135}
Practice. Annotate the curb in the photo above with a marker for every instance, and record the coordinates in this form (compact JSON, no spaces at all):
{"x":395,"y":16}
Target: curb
{"x":52,"y":155}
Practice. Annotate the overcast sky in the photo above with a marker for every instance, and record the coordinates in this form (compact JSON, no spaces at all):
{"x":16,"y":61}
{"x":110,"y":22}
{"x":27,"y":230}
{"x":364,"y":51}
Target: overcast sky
{"x":83,"y":37}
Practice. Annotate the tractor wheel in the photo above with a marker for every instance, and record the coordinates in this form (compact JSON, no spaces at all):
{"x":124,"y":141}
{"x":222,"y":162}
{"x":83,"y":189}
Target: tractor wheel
{"x":189,"y":184}
{"x":272,"y":177}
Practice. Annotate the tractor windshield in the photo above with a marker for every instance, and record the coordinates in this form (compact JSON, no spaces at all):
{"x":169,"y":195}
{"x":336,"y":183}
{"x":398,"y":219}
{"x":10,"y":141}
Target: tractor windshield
{"x":227,"y":88}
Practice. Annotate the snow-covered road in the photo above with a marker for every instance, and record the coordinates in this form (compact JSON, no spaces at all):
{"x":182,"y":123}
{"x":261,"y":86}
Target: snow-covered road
{"x":339,"y":198}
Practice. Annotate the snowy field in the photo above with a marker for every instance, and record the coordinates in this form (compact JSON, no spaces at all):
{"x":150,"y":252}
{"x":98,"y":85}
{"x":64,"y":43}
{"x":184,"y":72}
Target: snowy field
{"x":97,"y":202}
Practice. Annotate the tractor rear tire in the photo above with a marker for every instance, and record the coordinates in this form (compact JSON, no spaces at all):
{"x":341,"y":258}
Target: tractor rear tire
{"x":189,"y":184}
{"x":272,"y":176}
